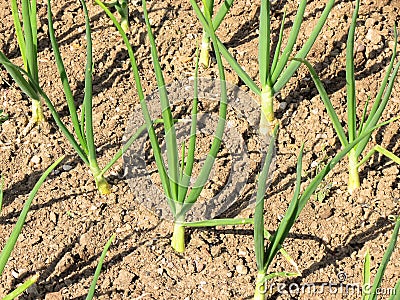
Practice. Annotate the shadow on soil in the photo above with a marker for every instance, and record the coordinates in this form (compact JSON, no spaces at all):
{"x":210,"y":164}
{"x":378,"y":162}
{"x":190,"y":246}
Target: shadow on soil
{"x":55,"y":280}
{"x":333,"y":256}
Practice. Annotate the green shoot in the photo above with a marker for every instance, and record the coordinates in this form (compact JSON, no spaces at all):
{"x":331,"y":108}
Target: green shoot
{"x":259,"y":231}
{"x":205,"y":41}
{"x":92,"y":288}
{"x":12,"y":240}
{"x":366,"y":123}
{"x":366,"y":274}
{"x":3,"y":116}
{"x":370,"y":293}
{"x":1,"y":192}
{"x":381,"y":150}
{"x":83,"y":127}
{"x":22,"y":288}
{"x":265,"y":255}
{"x":122,"y":8}
{"x":396,"y":291}
{"x":26,"y":31}
{"x":272,"y":75}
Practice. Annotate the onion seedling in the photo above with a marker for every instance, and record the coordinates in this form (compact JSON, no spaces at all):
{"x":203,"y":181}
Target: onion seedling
{"x":92,"y":288}
{"x":26,"y":31}
{"x":262,"y":255}
{"x":176,"y":176}
{"x":83,"y":141}
{"x":175,"y":181}
{"x":205,"y":41}
{"x":175,"y":185}
{"x":265,"y":255}
{"x":365,"y":123}
{"x":12,"y":240}
{"x":273,"y":75}
{"x":370,"y":292}
{"x":83,"y":126}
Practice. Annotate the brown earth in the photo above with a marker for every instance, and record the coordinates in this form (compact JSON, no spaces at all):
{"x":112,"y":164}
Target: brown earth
{"x":69,"y":222}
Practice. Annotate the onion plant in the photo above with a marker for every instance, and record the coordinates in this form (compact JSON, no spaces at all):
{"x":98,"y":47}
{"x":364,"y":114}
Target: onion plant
{"x":370,"y":292}
{"x":266,"y":254}
{"x":176,"y":176}
{"x":26,"y":31}
{"x":83,"y":126}
{"x":367,"y":121}
{"x":82,"y":137}
{"x":12,"y":240}
{"x":262,"y":255}
{"x":205,"y":41}
{"x":275,"y":73}
{"x":175,"y":179}
{"x":92,"y":288}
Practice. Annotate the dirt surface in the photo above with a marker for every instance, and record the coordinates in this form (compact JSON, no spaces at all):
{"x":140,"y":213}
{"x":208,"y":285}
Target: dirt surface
{"x":69,"y":222}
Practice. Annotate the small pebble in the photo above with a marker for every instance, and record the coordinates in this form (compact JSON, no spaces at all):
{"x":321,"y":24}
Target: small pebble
{"x":55,"y":172}
{"x":370,"y":22}
{"x":326,"y":213}
{"x":241,"y":269}
{"x":84,"y":239}
{"x":53,"y":217}
{"x":374,"y":36}
{"x":282,"y":105}
{"x":360,"y":48}
{"x":14,"y":274}
{"x":36,"y":159}
{"x":124,"y":279}
{"x":67,"y":167}
{"x":199,"y":266}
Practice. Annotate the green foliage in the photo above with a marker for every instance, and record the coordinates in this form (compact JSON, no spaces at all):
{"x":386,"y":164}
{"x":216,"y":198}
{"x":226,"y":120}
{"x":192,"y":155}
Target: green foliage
{"x":265,"y":255}
{"x":12,"y":240}
{"x":83,"y":126}
{"x":3,"y":116}
{"x":366,"y":122}
{"x":370,"y":292}
{"x":83,"y":143}
{"x":176,"y":180}
{"x":272,"y":75}
{"x":92,"y":288}
{"x":26,"y":31}
{"x":208,"y":5}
